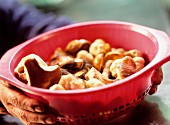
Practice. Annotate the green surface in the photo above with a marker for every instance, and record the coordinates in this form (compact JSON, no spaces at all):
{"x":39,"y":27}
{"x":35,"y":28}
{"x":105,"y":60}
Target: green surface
{"x":144,"y":12}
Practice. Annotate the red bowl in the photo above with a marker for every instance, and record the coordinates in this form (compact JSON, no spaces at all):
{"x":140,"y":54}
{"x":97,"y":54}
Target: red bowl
{"x":100,"y":104}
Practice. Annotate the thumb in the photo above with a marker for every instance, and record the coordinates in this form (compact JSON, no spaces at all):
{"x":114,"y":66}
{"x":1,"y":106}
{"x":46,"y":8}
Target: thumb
{"x":5,"y":83}
{"x":2,"y":109}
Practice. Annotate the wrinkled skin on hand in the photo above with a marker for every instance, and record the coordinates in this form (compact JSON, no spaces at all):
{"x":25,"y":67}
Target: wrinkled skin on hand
{"x":29,"y":111}
{"x":156,"y":80}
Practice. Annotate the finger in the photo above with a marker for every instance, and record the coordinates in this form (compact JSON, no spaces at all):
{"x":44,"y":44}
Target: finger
{"x":30,"y":117}
{"x":157,"y":77}
{"x":5,"y":83}
{"x":3,"y":111}
{"x":19,"y":100}
{"x":153,"y":89}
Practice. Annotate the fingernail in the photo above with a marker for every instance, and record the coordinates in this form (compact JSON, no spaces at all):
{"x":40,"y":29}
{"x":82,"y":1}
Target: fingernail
{"x":50,"y":121}
{"x":38,"y":109}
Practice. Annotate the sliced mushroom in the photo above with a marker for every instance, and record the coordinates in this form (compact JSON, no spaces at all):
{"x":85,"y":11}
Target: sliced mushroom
{"x":98,"y":62}
{"x":133,"y":53}
{"x":120,"y":50}
{"x":81,"y":73}
{"x":56,"y":87}
{"x":76,"y":45}
{"x":122,"y":68}
{"x":57,"y":53}
{"x":94,"y":73}
{"x":37,"y":72}
{"x":91,"y":83}
{"x":88,"y":66}
{"x":59,"y":56}
{"x":140,"y":63}
{"x":85,"y":55}
{"x":72,"y":63}
{"x":106,"y":70}
{"x":99,"y":46}
{"x":70,"y":82}
{"x":112,"y":55}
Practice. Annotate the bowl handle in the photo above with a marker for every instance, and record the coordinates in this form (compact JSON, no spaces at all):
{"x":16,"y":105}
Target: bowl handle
{"x":164,"y":49}
{"x":5,"y":73}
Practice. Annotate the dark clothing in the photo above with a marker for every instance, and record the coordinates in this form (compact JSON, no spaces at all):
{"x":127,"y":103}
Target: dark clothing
{"x":20,"y":22}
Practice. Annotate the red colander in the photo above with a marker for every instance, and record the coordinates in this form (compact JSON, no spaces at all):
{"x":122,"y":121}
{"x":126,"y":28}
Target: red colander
{"x":100,"y":104}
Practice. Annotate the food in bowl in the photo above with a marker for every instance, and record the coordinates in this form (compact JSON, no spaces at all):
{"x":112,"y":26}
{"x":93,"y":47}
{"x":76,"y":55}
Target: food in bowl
{"x":82,"y":64}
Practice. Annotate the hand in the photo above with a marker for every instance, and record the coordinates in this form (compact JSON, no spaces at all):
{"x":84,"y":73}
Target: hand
{"x":156,"y":80}
{"x":29,"y":111}
{"x":3,"y":109}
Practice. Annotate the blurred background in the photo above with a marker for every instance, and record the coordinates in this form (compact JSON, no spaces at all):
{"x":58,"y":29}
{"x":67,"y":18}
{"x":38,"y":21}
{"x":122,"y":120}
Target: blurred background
{"x":152,"y":13}
{"x":155,"y":110}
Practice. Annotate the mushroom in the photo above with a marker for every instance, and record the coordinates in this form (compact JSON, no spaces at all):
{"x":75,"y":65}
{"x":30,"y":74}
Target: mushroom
{"x":87,"y":66}
{"x":56,"y":87}
{"x":94,"y":73}
{"x":37,"y":73}
{"x":76,"y":45}
{"x":98,"y":61}
{"x":133,"y":53}
{"x":120,"y":50}
{"x":72,"y":63}
{"x":81,"y":73}
{"x":106,"y":69}
{"x":85,"y":55}
{"x":140,"y":63}
{"x":99,"y":46}
{"x":65,"y":71}
{"x":70,"y":82}
{"x":122,"y":68}
{"x":93,"y":83}
{"x":112,"y":55}
{"x":59,"y":56}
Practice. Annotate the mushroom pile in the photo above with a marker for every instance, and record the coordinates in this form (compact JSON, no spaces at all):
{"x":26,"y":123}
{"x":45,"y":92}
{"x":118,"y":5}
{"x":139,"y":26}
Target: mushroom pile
{"x":81,"y":64}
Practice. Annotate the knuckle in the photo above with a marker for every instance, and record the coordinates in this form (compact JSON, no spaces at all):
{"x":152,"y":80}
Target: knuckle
{"x":4,"y":100}
{"x":23,"y":116}
{"x":25,"y":104}
{"x":14,"y":99}
{"x":38,"y":119}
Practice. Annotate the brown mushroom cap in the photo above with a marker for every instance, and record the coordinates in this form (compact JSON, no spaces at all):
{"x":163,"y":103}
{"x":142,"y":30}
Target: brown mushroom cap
{"x":99,"y":46}
{"x":94,"y":73}
{"x":122,"y":68}
{"x":37,"y":72}
{"x":76,"y":45}
{"x":59,"y":56}
{"x":112,"y":55}
{"x":72,"y":63}
{"x":98,"y":61}
{"x":133,"y":53}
